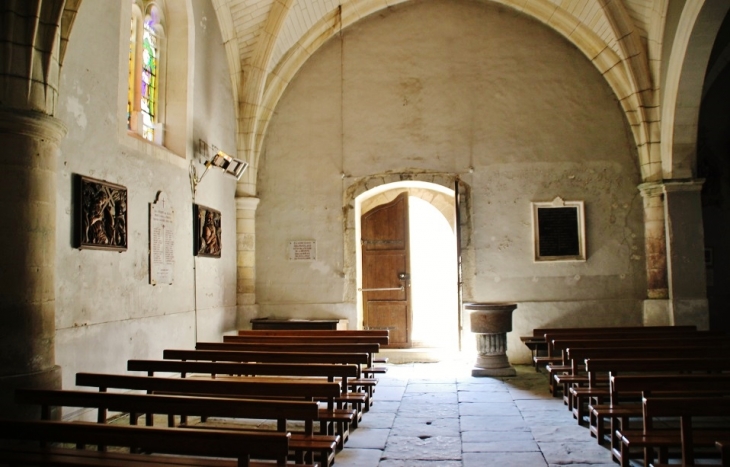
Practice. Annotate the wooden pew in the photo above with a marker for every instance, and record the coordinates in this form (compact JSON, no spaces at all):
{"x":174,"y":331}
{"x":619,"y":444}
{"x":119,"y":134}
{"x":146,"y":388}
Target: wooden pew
{"x":358,"y":359}
{"x":249,"y":388}
{"x":600,"y":412}
{"x":620,"y":411}
{"x":265,"y":357}
{"x":555,"y":342}
{"x":724,"y":447}
{"x":342,"y":372}
{"x":688,"y":437}
{"x":540,"y":332}
{"x":213,"y":444}
{"x":697,"y":339}
{"x":370,"y":349}
{"x":314,"y":332}
{"x":323,"y":337}
{"x":537,"y":343}
{"x":138,"y":404}
{"x":612,"y":367}
{"x":382,"y":340}
{"x":576,"y":355}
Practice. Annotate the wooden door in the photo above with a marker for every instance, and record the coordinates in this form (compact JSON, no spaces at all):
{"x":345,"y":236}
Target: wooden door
{"x":386,"y":270}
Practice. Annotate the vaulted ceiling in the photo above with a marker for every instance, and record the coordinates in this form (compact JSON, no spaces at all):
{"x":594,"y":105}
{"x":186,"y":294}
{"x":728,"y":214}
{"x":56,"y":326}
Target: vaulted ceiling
{"x":267,"y":41}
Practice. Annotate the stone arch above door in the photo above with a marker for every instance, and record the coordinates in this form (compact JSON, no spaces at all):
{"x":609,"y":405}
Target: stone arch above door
{"x":399,"y":180}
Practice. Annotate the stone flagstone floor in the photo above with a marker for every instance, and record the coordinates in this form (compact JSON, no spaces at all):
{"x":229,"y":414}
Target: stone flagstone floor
{"x":437,"y":414}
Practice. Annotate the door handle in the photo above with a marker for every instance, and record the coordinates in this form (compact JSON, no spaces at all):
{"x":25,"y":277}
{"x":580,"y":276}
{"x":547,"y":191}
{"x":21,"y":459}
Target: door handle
{"x":404,"y":276}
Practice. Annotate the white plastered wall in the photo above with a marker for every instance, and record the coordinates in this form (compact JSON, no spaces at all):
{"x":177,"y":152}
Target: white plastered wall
{"x":454,"y":89}
{"x":106,"y":310}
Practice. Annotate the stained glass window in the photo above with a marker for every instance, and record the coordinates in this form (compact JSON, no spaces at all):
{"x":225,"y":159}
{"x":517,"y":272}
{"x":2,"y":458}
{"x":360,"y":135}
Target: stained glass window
{"x":131,"y":76}
{"x":148,"y":90}
{"x":145,"y":44}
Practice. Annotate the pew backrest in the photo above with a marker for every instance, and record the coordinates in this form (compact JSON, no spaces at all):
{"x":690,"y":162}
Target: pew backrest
{"x":169,"y":405}
{"x":279,"y":339}
{"x":303,"y":390}
{"x":210,"y":443}
{"x":686,"y":408}
{"x":330,"y":371}
{"x":558,"y":345}
{"x":265,"y":357}
{"x":314,"y":332}
{"x":540,"y":332}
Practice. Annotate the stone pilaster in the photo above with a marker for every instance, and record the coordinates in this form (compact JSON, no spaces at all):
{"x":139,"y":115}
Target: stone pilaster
{"x":685,"y":252}
{"x":246,"y":260}
{"x":30,"y":142}
{"x":656,"y":308}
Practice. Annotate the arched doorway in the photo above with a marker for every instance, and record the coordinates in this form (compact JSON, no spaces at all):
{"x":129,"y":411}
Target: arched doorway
{"x":425,"y":313}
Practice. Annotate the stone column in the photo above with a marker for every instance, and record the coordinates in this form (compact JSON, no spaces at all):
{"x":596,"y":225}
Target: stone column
{"x":246,"y":260}
{"x":656,"y":307}
{"x":30,"y":145}
{"x":685,"y":253}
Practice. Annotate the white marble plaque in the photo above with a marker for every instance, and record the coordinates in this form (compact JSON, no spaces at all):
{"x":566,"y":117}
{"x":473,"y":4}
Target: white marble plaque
{"x":303,"y":250}
{"x":162,"y":241}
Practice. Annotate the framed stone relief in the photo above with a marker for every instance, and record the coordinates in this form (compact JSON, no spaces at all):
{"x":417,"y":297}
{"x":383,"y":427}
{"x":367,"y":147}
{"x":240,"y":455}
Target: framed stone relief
{"x":559,"y":230}
{"x":206,"y":231}
{"x":101,"y":215}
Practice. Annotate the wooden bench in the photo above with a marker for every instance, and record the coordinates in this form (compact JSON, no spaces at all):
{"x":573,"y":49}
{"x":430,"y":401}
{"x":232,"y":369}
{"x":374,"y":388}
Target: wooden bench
{"x":344,"y":336}
{"x":598,"y":413}
{"x":359,"y":359}
{"x":332,"y":339}
{"x":249,"y":388}
{"x":370,"y":349}
{"x":315,"y":332}
{"x":625,"y":397}
{"x":689,"y":437}
{"x":724,"y":448}
{"x":555,"y":342}
{"x":213,"y":444}
{"x":349,"y":375}
{"x":622,"y":409}
{"x":612,"y":367}
{"x":537,"y":342}
{"x":135,"y":405}
{"x":576,"y":355}
{"x":697,"y":339}
{"x":538,"y":333}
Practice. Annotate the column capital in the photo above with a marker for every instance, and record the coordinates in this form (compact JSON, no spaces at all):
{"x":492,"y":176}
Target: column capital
{"x":651,"y":189}
{"x":35,"y":124}
{"x":247,"y":203}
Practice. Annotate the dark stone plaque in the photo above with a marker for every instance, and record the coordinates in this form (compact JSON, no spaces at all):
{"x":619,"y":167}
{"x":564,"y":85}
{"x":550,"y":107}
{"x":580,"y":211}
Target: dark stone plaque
{"x":558,"y":230}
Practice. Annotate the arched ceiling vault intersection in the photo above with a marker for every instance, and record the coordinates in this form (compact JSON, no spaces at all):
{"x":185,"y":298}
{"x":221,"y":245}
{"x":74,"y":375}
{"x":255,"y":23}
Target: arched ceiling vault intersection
{"x":269,"y":40}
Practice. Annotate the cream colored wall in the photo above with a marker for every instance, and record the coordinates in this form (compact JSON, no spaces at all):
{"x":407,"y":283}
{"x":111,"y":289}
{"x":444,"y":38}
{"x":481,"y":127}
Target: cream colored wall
{"x":446,"y":86}
{"x":106,"y":310}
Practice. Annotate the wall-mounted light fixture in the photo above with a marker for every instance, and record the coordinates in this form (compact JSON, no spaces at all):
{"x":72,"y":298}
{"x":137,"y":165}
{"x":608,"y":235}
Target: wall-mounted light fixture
{"x":223,"y":161}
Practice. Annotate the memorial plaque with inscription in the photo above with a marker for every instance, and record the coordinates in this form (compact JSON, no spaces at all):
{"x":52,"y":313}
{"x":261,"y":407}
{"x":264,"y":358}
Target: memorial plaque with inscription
{"x":303,"y":250}
{"x":162,"y":241}
{"x":559,"y":230}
